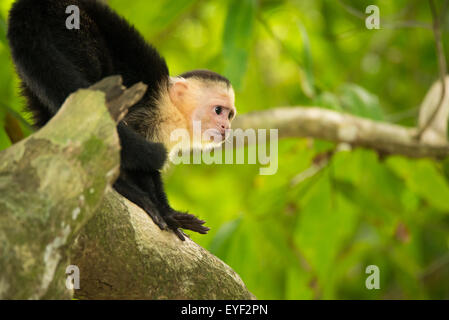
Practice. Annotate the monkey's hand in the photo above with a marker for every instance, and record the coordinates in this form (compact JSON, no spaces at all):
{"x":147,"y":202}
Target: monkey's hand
{"x":176,"y":220}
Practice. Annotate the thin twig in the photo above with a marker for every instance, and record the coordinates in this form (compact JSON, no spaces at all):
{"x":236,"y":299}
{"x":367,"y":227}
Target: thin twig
{"x":441,"y":66}
{"x":353,"y":11}
{"x":436,"y":266}
{"x":443,"y":17}
{"x":402,"y":115}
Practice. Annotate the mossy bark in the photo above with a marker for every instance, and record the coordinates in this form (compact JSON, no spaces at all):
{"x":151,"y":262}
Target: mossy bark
{"x":122,"y":254}
{"x":57,"y":208}
{"x":50,"y":185}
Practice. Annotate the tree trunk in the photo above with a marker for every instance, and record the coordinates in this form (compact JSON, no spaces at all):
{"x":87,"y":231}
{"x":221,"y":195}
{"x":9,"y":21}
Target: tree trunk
{"x":122,"y":254}
{"x":57,"y":209}
{"x":50,"y":185}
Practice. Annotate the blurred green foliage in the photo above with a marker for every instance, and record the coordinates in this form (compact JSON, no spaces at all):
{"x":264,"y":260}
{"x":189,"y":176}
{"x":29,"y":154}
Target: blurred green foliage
{"x":315,"y":238}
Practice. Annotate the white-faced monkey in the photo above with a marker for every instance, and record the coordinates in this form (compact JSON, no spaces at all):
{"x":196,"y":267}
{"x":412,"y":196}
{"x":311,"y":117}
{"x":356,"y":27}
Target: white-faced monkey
{"x":53,"y":62}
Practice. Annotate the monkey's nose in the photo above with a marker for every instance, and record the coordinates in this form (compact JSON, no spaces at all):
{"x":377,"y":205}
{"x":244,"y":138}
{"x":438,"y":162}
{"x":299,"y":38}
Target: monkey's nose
{"x":223,"y":130}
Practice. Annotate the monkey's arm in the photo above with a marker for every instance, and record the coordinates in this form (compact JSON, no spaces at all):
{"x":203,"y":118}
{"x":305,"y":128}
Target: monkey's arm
{"x":127,"y":188}
{"x":138,"y":154}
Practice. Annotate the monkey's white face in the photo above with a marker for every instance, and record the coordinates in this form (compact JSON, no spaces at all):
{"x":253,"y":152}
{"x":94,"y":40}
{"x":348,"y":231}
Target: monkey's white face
{"x":215,"y":111}
{"x":212,"y":105}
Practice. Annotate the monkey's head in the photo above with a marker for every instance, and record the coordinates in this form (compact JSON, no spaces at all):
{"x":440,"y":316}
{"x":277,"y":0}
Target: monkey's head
{"x":206,"y":99}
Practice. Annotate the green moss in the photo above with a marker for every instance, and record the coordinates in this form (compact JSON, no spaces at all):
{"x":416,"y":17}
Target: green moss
{"x":91,"y":147}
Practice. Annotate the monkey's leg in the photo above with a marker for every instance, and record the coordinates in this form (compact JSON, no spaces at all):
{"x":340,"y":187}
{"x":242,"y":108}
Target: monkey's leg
{"x":133,"y":193}
{"x":152,"y":183}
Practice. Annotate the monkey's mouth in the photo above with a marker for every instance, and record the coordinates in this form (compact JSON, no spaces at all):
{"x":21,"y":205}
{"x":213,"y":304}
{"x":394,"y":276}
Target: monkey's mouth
{"x":214,"y":135}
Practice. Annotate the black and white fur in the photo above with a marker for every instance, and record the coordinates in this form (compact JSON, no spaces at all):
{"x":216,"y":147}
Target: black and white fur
{"x":53,"y":62}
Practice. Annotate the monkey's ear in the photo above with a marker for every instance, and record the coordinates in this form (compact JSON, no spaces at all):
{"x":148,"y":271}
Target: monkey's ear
{"x":178,"y":90}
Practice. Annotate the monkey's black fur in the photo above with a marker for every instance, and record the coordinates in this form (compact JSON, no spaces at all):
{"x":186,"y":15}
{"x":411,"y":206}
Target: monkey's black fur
{"x":53,"y":61}
{"x":206,"y":75}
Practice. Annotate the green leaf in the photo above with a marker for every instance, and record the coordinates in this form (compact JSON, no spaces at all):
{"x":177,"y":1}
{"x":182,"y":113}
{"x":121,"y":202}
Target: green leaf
{"x":445,"y":165}
{"x":170,"y":12}
{"x":4,"y":139}
{"x":298,"y":284}
{"x":328,"y":100}
{"x":223,"y":238}
{"x":28,"y":129}
{"x":423,"y":179}
{"x":237,"y":39}
{"x":326,"y":221}
{"x":360,"y":102}
{"x":2,"y":30}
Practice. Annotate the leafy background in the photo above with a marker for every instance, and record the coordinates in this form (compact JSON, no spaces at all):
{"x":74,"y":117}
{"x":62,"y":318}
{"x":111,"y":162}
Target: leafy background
{"x":314,"y":239}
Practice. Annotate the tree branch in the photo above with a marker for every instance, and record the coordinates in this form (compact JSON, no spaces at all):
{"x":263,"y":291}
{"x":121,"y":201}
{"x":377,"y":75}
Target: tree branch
{"x":441,"y":68}
{"x":57,"y":208}
{"x":122,"y":254}
{"x":339,"y":127}
{"x":50,"y":185}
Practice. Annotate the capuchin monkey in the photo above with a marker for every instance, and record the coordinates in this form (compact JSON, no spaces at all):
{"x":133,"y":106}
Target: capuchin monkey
{"x":53,"y":62}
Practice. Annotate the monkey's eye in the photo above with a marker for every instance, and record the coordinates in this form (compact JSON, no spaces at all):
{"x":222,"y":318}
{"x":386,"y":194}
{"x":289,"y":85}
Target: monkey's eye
{"x":218,"y":109}
{"x":231,"y":115}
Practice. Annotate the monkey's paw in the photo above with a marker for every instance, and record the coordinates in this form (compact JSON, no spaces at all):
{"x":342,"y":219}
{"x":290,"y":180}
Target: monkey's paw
{"x":156,"y":217}
{"x":176,"y":220}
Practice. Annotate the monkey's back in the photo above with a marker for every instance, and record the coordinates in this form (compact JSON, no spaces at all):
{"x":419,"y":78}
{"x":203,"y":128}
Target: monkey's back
{"x":54,"y":61}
